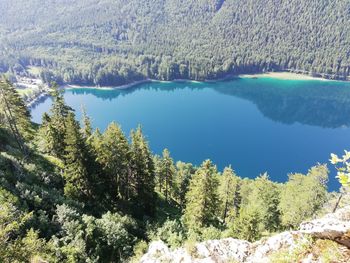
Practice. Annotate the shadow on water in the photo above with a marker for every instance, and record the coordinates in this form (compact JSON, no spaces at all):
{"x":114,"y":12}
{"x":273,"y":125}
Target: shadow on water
{"x":317,"y":103}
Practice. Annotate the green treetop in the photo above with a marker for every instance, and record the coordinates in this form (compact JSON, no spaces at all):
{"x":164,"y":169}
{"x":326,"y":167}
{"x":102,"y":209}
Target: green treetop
{"x":202,"y":200}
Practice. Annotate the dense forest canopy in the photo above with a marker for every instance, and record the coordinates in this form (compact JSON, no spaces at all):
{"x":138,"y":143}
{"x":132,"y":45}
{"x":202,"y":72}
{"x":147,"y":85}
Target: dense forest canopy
{"x":114,"y":42}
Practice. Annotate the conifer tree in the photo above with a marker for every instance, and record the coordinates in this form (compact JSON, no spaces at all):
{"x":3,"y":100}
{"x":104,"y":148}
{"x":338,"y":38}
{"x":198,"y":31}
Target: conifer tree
{"x":202,"y":199}
{"x":86,"y":129}
{"x":264,"y":196}
{"x":246,"y":226}
{"x":75,"y":158}
{"x":167,"y":172}
{"x":142,"y":169}
{"x":47,"y":135}
{"x":14,"y":114}
{"x":113,"y":154}
{"x":59,"y":115}
{"x":157,"y":160}
{"x":229,"y":194}
{"x":184,"y":172}
{"x":303,"y":195}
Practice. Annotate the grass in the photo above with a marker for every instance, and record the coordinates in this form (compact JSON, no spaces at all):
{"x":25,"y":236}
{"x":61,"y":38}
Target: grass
{"x":325,"y":251}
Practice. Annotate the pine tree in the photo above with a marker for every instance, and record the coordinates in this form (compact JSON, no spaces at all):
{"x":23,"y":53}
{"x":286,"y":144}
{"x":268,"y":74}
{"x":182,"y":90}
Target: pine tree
{"x":77,"y":185}
{"x":184,"y":172}
{"x":159,"y":180}
{"x":142,"y":173}
{"x":48,"y":136}
{"x":86,"y":129}
{"x":113,"y":154}
{"x":14,"y":114}
{"x":229,"y":194}
{"x":264,"y":196}
{"x":59,"y":115}
{"x":202,"y":199}
{"x":246,"y":226}
{"x":167,"y":172}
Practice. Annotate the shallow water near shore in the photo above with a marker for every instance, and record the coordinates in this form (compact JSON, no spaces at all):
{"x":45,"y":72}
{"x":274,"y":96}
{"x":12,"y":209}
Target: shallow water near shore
{"x":255,"y":125}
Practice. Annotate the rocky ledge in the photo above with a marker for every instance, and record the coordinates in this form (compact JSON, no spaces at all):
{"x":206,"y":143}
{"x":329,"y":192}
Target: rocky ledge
{"x":334,"y":227}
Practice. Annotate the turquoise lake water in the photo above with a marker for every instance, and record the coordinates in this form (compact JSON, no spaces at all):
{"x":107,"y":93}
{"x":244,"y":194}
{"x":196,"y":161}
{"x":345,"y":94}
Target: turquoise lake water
{"x":255,"y":125}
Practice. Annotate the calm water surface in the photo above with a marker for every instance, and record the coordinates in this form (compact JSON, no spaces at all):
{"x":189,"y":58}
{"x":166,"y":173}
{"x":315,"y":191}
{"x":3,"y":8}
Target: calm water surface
{"x":255,"y":125}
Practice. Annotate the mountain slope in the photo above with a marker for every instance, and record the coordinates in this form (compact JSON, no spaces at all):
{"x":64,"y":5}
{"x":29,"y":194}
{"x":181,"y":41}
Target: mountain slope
{"x":108,"y":41}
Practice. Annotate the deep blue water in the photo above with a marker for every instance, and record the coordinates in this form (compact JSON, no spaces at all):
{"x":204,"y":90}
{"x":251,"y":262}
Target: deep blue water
{"x":256,"y":125}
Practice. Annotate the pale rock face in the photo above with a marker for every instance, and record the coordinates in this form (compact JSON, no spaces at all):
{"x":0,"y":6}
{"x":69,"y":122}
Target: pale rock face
{"x":334,"y":227}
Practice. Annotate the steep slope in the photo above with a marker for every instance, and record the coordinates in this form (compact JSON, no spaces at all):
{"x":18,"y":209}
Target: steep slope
{"x":113,"y":42}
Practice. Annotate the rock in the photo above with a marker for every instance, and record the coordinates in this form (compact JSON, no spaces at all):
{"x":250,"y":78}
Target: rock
{"x":223,"y":250}
{"x":263,"y":248}
{"x":335,"y":227}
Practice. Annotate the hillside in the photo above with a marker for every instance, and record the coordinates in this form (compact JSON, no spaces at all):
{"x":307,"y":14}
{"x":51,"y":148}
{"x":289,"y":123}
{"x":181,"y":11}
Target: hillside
{"x":114,"y":42}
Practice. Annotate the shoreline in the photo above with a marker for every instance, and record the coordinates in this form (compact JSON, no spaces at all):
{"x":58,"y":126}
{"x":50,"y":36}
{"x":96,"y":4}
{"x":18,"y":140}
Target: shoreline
{"x":125,"y":86}
{"x":130,"y":85}
{"x":284,"y":76}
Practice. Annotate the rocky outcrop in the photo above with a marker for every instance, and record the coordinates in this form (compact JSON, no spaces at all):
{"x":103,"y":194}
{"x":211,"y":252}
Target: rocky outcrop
{"x":335,"y":227}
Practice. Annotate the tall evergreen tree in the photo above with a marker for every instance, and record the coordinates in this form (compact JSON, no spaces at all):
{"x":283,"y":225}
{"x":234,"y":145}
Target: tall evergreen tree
{"x":166,"y":173}
{"x":142,"y":169}
{"x":202,"y":199}
{"x":246,"y":226}
{"x":113,"y":154}
{"x":86,"y":129}
{"x":14,"y":114}
{"x":77,"y":185}
{"x":229,"y":194}
{"x":184,"y":172}
{"x":59,"y":115}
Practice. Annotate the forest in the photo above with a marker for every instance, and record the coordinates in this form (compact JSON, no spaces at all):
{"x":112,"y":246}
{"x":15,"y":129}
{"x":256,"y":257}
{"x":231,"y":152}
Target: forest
{"x":69,"y":193}
{"x":104,"y":42}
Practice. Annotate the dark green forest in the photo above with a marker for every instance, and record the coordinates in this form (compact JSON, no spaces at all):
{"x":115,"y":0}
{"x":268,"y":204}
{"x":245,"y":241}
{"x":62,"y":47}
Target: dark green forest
{"x":104,"y":42}
{"x":69,"y":193}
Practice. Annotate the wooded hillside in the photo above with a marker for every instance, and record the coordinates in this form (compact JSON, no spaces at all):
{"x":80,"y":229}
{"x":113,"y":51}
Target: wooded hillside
{"x":113,"y":42}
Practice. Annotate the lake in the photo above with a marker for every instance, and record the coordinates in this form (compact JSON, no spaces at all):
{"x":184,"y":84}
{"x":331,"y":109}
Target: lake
{"x":255,"y":125}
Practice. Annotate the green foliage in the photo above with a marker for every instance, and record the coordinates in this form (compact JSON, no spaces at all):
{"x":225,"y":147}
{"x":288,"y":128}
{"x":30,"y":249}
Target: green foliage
{"x":85,"y":238}
{"x":247,"y":225}
{"x":171,"y":232}
{"x":113,"y":154}
{"x":184,"y":172}
{"x":14,"y":115}
{"x":135,"y":40}
{"x":321,"y":250}
{"x":229,"y":194}
{"x":165,"y":175}
{"x":202,"y":198}
{"x":343,"y":167}
{"x":14,"y":245}
{"x":142,"y":167}
{"x":53,"y":129}
{"x":139,"y":250}
{"x":303,"y":195}
{"x":75,"y":173}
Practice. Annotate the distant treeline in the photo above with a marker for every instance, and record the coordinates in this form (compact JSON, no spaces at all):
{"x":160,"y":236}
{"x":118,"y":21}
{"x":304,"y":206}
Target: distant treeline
{"x":116,"y":42}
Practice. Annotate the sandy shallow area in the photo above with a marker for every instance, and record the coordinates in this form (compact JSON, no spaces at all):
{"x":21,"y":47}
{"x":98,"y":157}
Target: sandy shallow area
{"x":282,"y":75}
